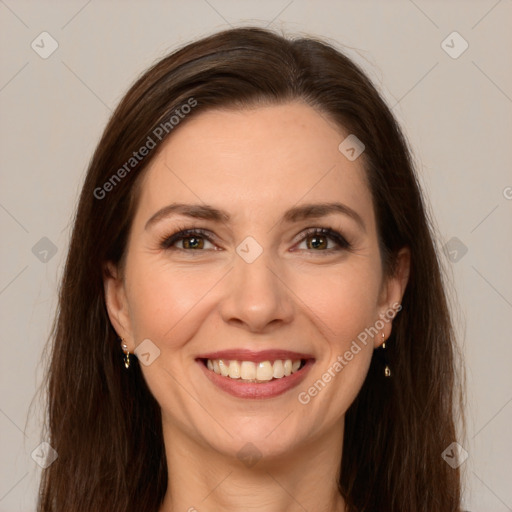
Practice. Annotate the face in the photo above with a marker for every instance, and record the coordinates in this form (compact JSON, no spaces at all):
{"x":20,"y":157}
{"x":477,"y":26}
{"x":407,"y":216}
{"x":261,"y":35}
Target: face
{"x":264,"y":270}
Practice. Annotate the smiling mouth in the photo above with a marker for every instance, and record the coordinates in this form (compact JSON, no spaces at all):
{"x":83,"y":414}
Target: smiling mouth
{"x":251,"y":372}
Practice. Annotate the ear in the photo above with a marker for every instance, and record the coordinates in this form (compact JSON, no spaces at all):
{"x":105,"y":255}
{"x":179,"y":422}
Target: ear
{"x":393,"y":290}
{"x":117,"y":303}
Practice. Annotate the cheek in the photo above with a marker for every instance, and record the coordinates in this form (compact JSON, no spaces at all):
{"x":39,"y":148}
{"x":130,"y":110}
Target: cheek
{"x":343,"y":307}
{"x":332,"y":307}
{"x":165,"y":301}
{"x":344,"y":299}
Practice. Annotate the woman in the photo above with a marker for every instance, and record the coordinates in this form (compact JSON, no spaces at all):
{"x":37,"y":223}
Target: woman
{"x":252,"y":314}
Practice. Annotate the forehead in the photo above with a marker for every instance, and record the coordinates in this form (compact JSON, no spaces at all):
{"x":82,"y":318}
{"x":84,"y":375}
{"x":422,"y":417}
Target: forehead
{"x":264,"y":159}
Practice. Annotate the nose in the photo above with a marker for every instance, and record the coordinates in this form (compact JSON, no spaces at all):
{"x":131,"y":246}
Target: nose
{"x":257,"y":297}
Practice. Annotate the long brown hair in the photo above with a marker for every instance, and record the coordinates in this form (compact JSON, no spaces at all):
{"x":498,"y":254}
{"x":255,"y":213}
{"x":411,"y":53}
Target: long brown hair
{"x":103,"y":421}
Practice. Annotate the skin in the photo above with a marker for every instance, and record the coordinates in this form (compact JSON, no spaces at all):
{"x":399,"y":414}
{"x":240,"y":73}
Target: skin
{"x":255,"y":164}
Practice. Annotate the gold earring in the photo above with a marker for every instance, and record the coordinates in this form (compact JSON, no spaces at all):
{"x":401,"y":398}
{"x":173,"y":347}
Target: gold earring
{"x":126,"y":356}
{"x":387,"y":370}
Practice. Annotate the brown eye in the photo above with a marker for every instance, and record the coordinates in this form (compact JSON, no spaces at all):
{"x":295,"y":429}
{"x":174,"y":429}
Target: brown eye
{"x":317,"y":240}
{"x":190,"y":239}
{"x":193,"y":242}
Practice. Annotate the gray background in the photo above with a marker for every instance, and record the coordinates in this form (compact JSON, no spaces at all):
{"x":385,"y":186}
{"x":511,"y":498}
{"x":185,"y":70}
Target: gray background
{"x":456,"y":113}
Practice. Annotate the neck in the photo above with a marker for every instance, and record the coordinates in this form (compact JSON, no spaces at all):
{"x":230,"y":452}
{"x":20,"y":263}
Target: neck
{"x":265,"y":476}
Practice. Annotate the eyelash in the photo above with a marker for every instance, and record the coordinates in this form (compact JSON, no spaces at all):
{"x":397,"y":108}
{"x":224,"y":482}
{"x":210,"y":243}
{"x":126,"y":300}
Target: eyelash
{"x":167,"y":242}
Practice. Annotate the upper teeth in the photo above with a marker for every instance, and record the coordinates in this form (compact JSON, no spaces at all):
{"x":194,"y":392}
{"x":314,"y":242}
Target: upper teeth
{"x":248,"y":370}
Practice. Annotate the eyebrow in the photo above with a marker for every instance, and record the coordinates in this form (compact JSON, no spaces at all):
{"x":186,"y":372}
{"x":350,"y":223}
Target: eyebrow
{"x":295,"y":214}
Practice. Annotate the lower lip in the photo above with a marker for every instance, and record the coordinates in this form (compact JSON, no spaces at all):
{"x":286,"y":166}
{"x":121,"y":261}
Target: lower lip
{"x":270,"y":389}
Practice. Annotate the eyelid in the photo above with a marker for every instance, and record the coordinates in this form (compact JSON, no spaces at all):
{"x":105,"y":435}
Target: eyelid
{"x":167,"y":242}
{"x":341,"y":242}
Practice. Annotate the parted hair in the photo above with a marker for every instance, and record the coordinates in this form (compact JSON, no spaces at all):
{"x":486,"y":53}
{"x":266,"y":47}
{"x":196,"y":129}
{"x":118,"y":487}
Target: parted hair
{"x":104,"y":422}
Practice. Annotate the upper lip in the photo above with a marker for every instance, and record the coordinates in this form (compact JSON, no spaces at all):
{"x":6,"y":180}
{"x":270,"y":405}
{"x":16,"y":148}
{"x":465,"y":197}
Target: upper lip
{"x":256,"y":357}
